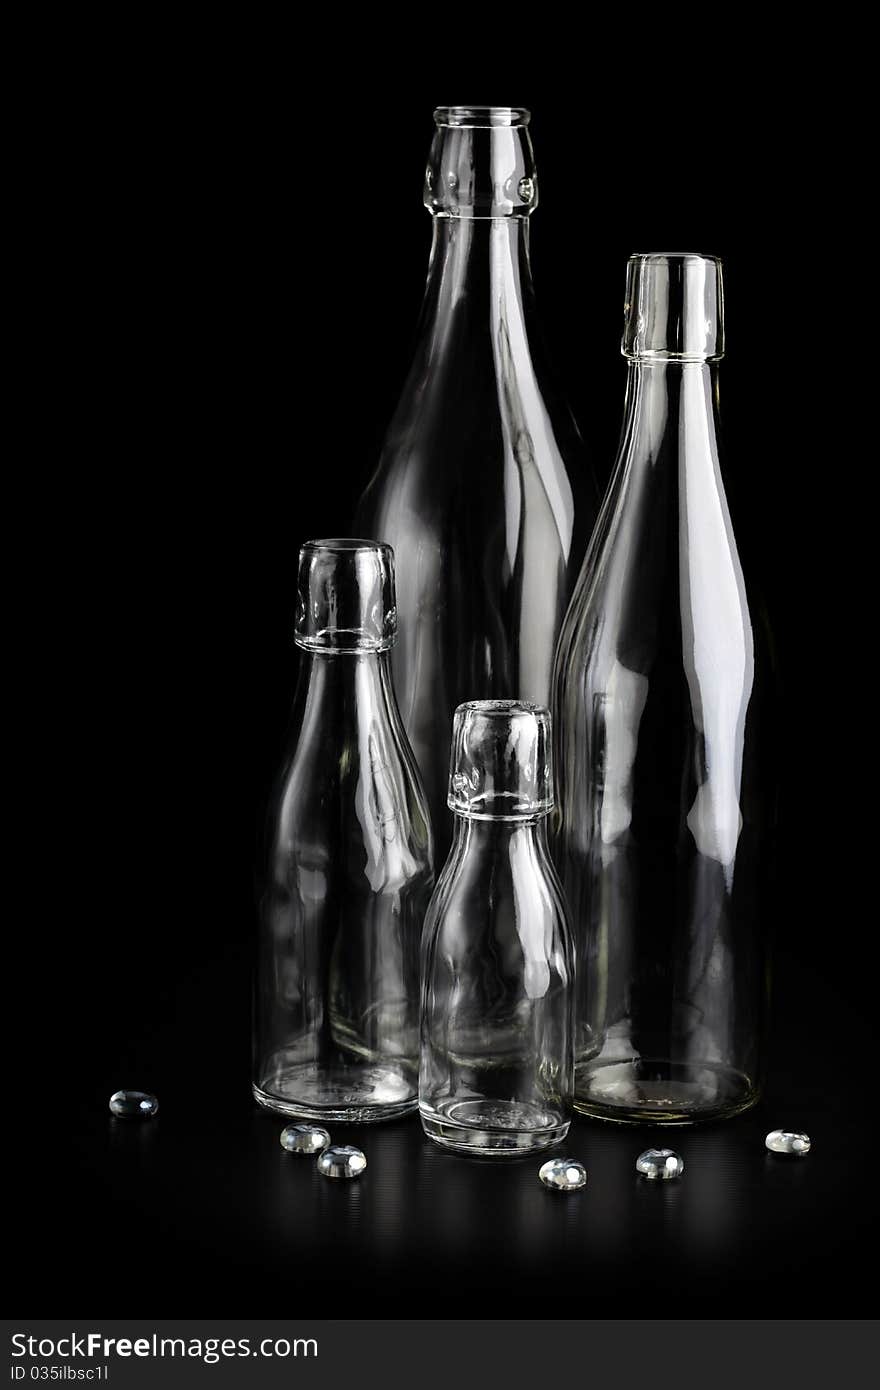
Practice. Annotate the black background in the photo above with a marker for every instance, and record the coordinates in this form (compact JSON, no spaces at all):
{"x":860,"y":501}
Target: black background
{"x":229,"y":316}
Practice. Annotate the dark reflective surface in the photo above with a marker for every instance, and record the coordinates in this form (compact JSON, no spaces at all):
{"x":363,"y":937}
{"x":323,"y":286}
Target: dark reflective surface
{"x":201,"y":1211}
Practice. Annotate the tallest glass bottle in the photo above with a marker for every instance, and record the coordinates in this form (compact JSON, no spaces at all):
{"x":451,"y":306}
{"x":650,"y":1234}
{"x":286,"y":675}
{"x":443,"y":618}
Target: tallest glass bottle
{"x":482,"y":488}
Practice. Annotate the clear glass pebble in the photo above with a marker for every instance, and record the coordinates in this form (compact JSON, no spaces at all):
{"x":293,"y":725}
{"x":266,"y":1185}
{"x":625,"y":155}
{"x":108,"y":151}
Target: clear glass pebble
{"x":304,"y":1139}
{"x":783,"y":1141}
{"x":133,"y":1105}
{"x":660,"y":1163}
{"x":342,"y":1161}
{"x":563,"y":1174}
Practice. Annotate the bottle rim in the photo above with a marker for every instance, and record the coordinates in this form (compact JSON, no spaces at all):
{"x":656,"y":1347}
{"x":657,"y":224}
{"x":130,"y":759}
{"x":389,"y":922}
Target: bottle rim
{"x":494,"y":772}
{"x":669,"y":257}
{"x":482,"y":117}
{"x":502,"y":707}
{"x":674,"y":310}
{"x":344,"y":545}
{"x":345,"y":596}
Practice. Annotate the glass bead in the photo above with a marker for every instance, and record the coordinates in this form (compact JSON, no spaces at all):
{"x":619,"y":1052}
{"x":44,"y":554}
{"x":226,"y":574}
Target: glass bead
{"x":563,"y":1174}
{"x":304,"y":1139}
{"x":342,"y":1161}
{"x":660,"y":1163}
{"x":783,"y":1141}
{"x":133,"y":1105}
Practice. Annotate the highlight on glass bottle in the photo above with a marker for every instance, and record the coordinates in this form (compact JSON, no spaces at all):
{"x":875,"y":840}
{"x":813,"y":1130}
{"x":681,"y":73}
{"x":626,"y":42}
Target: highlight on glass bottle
{"x":497,"y":966}
{"x":663,"y":754}
{"x":483,"y":486}
{"x":349,"y":866}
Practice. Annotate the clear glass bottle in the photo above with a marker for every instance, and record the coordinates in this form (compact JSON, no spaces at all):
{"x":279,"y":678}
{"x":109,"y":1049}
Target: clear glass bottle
{"x":664,"y":760}
{"x":482,"y":487}
{"x":349,"y":866}
{"x":497,"y":967}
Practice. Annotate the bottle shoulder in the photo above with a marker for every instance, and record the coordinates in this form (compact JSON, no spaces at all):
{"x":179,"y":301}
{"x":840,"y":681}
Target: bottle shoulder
{"x":463,"y":406}
{"x":665,"y":551}
{"x":460,"y":480}
{"x":482,"y":888}
{"x":348,"y":775}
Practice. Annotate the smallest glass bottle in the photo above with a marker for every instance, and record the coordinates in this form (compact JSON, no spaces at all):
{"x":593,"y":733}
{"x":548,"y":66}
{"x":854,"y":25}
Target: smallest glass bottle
{"x":497,"y":954}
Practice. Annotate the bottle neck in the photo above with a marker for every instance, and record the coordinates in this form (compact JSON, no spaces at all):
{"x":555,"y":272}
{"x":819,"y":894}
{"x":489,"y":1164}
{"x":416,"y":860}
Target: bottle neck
{"x":479,"y":269}
{"x":668,"y":403}
{"x":330,"y":681}
{"x":497,"y":837}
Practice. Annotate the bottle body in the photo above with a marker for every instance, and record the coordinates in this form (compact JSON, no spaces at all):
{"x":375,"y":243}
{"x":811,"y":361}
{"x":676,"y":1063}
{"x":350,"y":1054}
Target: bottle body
{"x":349,"y":873}
{"x":482,"y":486}
{"x":497,"y":983}
{"x":664,"y":758}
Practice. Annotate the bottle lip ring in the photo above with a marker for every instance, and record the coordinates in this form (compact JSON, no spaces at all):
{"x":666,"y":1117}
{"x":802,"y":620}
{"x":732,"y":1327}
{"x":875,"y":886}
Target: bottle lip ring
{"x":344,"y":641}
{"x":538,"y":811}
{"x":481,"y":117}
{"x":658,"y":355}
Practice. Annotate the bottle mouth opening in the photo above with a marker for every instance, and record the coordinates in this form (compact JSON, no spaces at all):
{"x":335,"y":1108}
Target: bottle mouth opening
{"x":670,"y":257}
{"x":482,"y":117}
{"x":503,"y":708}
{"x":344,"y":545}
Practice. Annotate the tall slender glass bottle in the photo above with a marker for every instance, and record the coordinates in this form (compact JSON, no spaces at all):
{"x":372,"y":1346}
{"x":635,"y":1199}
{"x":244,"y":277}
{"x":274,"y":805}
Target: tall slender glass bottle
{"x":349,"y":868}
{"x":482,"y":488}
{"x":663,"y":755}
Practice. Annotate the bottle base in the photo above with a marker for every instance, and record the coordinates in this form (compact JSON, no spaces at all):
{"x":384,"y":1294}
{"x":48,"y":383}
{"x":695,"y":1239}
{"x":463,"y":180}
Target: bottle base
{"x":492,"y":1128}
{"x":348,"y":1094}
{"x":655,"y":1091}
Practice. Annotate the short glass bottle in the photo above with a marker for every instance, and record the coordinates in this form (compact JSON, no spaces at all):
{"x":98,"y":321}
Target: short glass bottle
{"x":497,"y":958}
{"x":349,"y":862}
